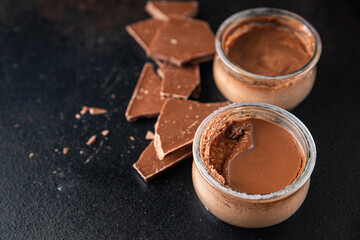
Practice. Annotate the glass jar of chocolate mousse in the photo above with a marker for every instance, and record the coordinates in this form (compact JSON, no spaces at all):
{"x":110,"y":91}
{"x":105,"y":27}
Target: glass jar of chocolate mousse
{"x":266,"y":55}
{"x":252,"y":164}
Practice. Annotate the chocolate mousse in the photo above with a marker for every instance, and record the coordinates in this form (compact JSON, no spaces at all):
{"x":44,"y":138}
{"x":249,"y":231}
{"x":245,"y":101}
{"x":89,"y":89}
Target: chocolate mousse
{"x":252,"y":156}
{"x":266,"y":55}
{"x":266,"y":50}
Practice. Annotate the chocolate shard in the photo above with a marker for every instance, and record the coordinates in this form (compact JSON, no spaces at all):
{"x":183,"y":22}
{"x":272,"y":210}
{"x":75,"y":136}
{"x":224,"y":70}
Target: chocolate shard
{"x":179,"y":82}
{"x":163,"y":9}
{"x":178,"y":122}
{"x":150,"y":166}
{"x":181,"y":41}
{"x":144,"y":31}
{"x":146,"y":100}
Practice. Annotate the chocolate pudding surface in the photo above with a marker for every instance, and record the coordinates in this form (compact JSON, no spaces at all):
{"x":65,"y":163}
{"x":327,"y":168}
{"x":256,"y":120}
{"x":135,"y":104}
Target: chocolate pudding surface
{"x":266,"y":50}
{"x":252,"y":156}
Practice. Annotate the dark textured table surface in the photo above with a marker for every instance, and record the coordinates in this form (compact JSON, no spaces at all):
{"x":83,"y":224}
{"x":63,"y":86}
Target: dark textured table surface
{"x":56,"y":56}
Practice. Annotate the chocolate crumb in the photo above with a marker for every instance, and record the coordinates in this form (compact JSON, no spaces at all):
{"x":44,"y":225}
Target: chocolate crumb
{"x":65,"y":150}
{"x":31,"y":155}
{"x":105,"y":132}
{"x":77,"y":116}
{"x":16,"y":125}
{"x":132,"y":138}
{"x":84,"y":110}
{"x":91,"y":140}
{"x":96,"y":111}
{"x":149,"y":135}
{"x":113,"y":96}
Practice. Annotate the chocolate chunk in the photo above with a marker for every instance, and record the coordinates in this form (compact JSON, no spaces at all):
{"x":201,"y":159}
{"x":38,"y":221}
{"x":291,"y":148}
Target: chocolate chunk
{"x":91,"y":140}
{"x":149,"y":165}
{"x":181,"y":41}
{"x":144,"y":31}
{"x":177,"y":123}
{"x":179,"y":82}
{"x":162,"y":10}
{"x":146,"y":100}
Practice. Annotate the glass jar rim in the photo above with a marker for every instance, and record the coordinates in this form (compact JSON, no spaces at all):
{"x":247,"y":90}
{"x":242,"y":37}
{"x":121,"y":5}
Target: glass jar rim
{"x":293,"y":187}
{"x":258,"y":12}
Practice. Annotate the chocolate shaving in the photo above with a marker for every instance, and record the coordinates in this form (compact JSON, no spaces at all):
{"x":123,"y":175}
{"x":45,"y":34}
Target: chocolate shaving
{"x":91,"y":140}
{"x":65,"y":150}
{"x":97,"y":111}
{"x":84,"y":110}
{"x":149,"y":135}
{"x":105,"y":132}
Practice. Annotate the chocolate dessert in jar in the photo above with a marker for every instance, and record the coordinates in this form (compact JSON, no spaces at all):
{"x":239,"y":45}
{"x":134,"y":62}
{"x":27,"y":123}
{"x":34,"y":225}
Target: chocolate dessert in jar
{"x":266,"y":55}
{"x":252,"y":164}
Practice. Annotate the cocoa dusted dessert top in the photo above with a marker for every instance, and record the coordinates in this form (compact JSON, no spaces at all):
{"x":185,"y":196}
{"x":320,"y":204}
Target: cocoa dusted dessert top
{"x":252,"y":155}
{"x":266,"y":49}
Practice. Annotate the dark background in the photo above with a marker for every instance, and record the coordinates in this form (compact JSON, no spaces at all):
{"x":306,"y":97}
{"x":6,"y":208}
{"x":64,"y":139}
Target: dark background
{"x":56,"y":56}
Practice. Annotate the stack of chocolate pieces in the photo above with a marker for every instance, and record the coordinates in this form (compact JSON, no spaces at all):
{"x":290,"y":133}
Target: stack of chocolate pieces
{"x":177,"y":43}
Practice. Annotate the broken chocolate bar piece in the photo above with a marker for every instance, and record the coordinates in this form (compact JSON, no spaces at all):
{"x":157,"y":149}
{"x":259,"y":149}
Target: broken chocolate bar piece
{"x":177,"y":123}
{"x":146,"y":100}
{"x":144,"y":31}
{"x":179,"y":82}
{"x":163,"y":9}
{"x":181,"y":41}
{"x":149,"y":165}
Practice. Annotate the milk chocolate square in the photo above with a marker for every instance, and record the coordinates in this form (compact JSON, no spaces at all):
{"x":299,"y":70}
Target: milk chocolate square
{"x":163,"y":9}
{"x":179,"y":82}
{"x":178,"y":122}
{"x":146,"y":100}
{"x":149,"y":165}
{"x":181,"y":41}
{"x":144,"y":31}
